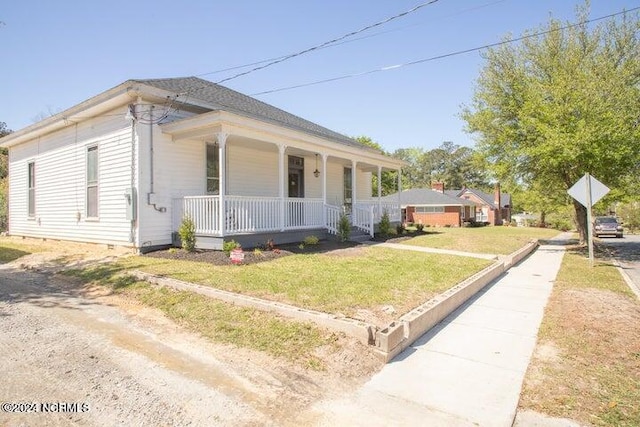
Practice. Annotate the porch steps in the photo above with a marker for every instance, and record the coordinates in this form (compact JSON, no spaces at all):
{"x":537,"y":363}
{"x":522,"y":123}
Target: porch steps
{"x":359,"y":236}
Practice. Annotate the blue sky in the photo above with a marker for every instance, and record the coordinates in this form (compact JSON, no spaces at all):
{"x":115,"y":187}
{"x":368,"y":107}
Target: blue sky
{"x":59,"y":53}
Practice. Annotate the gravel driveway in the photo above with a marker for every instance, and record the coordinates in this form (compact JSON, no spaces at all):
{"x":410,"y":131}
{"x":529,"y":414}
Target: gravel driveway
{"x":77,"y":355}
{"x":62,"y":350}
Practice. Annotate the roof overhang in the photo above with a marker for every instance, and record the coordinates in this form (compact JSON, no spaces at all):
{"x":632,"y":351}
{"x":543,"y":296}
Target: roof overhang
{"x":205,"y":127}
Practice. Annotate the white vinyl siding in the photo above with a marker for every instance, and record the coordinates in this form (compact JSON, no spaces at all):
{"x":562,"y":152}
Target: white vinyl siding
{"x":429,"y":209}
{"x":60,"y":158}
{"x":253,"y":171}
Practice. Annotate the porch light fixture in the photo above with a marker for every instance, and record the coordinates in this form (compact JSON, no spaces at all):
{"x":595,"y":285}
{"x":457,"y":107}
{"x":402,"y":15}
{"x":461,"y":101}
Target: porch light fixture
{"x":316,"y":172}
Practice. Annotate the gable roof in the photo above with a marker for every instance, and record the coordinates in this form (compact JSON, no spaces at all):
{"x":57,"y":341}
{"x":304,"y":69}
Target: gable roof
{"x":202,"y":93}
{"x":505,"y":198}
{"x":427,"y":197}
{"x":218,"y":97}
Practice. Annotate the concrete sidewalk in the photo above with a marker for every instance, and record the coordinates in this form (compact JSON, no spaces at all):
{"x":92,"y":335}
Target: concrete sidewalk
{"x":468,"y":370}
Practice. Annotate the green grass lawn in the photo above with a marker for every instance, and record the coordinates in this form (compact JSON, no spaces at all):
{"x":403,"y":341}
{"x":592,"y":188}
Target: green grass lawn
{"x":364,"y":279}
{"x":489,"y":240}
{"x":229,"y":324}
{"x":12,"y":249}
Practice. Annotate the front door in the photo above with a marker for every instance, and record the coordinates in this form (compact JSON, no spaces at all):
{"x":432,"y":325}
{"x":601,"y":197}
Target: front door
{"x":296,"y":176}
{"x":295,"y":212}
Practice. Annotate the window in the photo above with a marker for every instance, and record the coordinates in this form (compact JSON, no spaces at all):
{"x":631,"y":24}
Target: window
{"x":92,"y":182}
{"x":213,"y":169}
{"x":429,"y":209}
{"x":32,"y":189}
{"x":348,"y":189}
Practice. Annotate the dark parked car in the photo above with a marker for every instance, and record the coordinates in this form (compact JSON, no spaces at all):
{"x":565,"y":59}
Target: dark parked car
{"x":607,"y":226}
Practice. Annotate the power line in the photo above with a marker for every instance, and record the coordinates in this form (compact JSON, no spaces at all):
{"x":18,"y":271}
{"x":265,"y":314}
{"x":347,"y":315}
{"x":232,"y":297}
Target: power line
{"x":446,"y":55}
{"x":380,"y":33}
{"x":321,"y":45}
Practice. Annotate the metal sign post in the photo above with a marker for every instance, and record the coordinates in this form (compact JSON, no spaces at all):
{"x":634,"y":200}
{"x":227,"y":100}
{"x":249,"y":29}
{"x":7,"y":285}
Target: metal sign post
{"x":588,"y":191}
{"x":589,"y":225}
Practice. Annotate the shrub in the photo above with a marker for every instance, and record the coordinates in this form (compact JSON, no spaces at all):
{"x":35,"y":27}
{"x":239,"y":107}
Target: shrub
{"x":420,"y":227}
{"x":311,"y":240}
{"x":187,"y":232}
{"x":385,"y":224}
{"x":344,"y":228}
{"x":227,"y":247}
{"x":257,"y":252}
{"x":400,"y":229}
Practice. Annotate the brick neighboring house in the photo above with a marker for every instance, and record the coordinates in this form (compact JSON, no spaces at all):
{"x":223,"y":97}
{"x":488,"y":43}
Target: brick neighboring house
{"x":493,"y":209}
{"x":433,"y":208}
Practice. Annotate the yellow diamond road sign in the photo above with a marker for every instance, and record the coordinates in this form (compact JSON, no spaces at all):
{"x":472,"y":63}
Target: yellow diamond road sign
{"x":579,"y":190}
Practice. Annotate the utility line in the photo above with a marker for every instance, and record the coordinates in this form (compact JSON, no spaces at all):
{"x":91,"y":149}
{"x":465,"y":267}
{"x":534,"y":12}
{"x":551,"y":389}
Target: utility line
{"x":321,"y":45}
{"x":446,"y":55}
{"x":380,"y":33}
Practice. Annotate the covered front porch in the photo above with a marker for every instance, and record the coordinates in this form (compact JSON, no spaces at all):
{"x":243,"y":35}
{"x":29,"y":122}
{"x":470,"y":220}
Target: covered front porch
{"x":276,"y":182}
{"x":229,"y":215}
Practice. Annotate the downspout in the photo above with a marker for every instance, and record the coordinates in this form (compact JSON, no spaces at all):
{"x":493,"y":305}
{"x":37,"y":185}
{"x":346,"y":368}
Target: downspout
{"x":151,"y":196}
{"x":134,"y":121}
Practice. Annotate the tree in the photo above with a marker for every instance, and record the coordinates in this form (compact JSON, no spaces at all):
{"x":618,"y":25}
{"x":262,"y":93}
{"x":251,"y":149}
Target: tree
{"x":457,"y":166}
{"x":3,"y":178}
{"x":561,"y":104}
{"x":389,"y":178}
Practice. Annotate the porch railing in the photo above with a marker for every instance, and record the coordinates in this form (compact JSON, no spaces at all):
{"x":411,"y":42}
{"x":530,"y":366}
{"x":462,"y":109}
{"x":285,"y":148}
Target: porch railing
{"x":363,"y":218}
{"x":332,"y":218}
{"x":248,"y":214}
{"x":392,"y":208}
{"x":241,"y":214}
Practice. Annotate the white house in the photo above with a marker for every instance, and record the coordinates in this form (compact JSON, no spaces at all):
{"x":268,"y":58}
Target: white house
{"x":124,"y":167}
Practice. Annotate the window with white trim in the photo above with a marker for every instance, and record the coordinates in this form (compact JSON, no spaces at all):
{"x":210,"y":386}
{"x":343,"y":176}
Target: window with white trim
{"x":213,"y":169}
{"x":31,"y":171}
{"x":92,"y":182}
{"x":429,"y":209}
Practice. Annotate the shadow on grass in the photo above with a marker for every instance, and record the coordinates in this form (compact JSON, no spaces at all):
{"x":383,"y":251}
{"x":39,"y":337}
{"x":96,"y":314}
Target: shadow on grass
{"x":394,"y":238}
{"x":110,"y":275}
{"x":9,"y":254}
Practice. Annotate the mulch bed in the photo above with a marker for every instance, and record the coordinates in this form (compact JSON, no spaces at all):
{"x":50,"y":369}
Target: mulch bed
{"x":250,"y":256}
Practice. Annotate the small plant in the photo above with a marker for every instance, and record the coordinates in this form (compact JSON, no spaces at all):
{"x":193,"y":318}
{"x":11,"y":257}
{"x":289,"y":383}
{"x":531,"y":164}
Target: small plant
{"x":311,"y":240}
{"x":344,"y":228}
{"x":257,"y":252}
{"x":301,"y":246}
{"x":187,"y":232}
{"x":385,"y":224}
{"x":400,"y":229}
{"x":172,"y":250}
{"x":227,"y":247}
{"x":420,"y":227}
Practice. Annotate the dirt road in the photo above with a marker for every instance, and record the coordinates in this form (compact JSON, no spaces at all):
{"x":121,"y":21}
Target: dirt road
{"x":115,"y":362}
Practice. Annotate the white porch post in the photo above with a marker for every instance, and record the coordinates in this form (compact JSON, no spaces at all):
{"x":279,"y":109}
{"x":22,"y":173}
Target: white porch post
{"x":222,"y":181}
{"x":324,"y":189}
{"x":379,"y":191}
{"x":283,"y":182}
{"x":353,"y":188}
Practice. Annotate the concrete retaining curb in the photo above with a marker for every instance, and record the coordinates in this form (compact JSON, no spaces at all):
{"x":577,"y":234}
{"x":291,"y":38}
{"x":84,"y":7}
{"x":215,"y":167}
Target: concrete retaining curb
{"x":355,"y":328}
{"x":400,"y":334}
{"x":389,"y":341}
